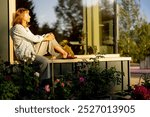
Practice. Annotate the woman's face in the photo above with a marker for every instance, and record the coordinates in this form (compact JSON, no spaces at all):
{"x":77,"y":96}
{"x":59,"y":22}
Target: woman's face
{"x":26,"y":17}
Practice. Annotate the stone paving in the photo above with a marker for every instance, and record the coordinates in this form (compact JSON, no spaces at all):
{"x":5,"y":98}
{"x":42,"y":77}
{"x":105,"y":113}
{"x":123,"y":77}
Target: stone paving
{"x":136,"y":73}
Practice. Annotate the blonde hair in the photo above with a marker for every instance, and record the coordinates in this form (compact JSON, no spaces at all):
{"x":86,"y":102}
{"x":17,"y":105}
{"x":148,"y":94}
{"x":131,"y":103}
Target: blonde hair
{"x":19,"y":16}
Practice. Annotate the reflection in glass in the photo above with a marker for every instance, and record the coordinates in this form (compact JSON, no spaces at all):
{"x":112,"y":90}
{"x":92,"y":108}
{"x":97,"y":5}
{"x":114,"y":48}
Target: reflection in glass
{"x":108,"y":19}
{"x":84,"y":23}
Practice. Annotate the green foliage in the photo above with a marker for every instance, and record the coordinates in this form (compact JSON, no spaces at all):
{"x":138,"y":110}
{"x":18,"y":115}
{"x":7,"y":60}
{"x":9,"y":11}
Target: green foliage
{"x":60,"y":90}
{"x":129,"y":15}
{"x":45,"y":29}
{"x":17,"y":81}
{"x":87,"y":81}
{"x":129,"y":18}
{"x":128,"y":47}
{"x":143,"y":41}
{"x":138,"y":48}
{"x":146,"y":80}
{"x":69,"y":14}
{"x":90,"y":81}
{"x":8,"y":90}
{"x":134,"y":39}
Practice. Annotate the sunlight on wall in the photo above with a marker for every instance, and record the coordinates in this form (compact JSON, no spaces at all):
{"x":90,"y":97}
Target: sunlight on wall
{"x":12,"y":9}
{"x":6,"y":45}
{"x":4,"y":29}
{"x":90,"y":3}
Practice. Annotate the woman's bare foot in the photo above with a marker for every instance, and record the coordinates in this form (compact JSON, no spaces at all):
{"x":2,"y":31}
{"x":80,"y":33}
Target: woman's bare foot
{"x":53,"y":57}
{"x":61,"y":50}
{"x":64,"y":55}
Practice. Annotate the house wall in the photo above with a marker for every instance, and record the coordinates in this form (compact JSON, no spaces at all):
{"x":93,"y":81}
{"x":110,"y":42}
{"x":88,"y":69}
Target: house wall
{"x":4,"y":42}
{"x":12,"y":9}
{"x":7,"y":8}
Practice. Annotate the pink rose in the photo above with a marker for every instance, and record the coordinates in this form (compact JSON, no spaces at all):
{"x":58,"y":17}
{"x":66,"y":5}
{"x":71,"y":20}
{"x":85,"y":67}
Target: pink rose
{"x":47,"y":88}
{"x":141,"y":91}
{"x":57,"y":80}
{"x":62,"y":84}
{"x":81,"y":79}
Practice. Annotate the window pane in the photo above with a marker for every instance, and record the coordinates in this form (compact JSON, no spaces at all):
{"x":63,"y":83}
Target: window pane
{"x":107,"y":21}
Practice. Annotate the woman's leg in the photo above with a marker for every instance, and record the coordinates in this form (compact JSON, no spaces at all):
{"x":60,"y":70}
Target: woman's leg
{"x":43,"y":70}
{"x":43,"y":66}
{"x":50,"y":46}
{"x":41,"y":48}
{"x":53,"y":45}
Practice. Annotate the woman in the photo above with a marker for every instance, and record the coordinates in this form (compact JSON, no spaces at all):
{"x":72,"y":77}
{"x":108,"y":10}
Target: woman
{"x":28,"y":46}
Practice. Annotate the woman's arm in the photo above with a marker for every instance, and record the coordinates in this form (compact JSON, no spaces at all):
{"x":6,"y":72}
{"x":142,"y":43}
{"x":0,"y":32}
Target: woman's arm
{"x":20,"y":31}
{"x":49,"y":37}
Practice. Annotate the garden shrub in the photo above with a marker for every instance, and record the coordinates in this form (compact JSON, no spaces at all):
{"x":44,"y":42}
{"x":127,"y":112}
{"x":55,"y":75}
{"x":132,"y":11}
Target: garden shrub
{"x":87,"y":81}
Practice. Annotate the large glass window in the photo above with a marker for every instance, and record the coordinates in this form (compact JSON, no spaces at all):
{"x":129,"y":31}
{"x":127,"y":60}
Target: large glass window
{"x":100,"y":26}
{"x":107,"y":21}
{"x":84,"y":23}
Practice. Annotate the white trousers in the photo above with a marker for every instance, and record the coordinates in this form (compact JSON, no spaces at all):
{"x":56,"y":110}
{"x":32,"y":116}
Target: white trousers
{"x":44,"y":47}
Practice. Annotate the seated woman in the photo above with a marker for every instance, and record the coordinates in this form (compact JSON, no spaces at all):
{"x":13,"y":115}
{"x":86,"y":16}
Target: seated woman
{"x":28,"y":46}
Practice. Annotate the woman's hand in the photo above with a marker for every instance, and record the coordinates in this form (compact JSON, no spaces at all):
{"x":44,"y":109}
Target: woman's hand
{"x":49,"y":37}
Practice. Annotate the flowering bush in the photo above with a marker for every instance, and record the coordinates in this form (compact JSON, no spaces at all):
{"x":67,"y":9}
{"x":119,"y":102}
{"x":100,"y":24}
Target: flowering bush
{"x":61,"y":89}
{"x":142,"y":92}
{"x":87,"y":81}
{"x":17,"y":81}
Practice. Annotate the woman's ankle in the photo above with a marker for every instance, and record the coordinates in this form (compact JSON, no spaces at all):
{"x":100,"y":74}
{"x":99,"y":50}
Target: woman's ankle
{"x":53,"y":57}
{"x":65,"y":55}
